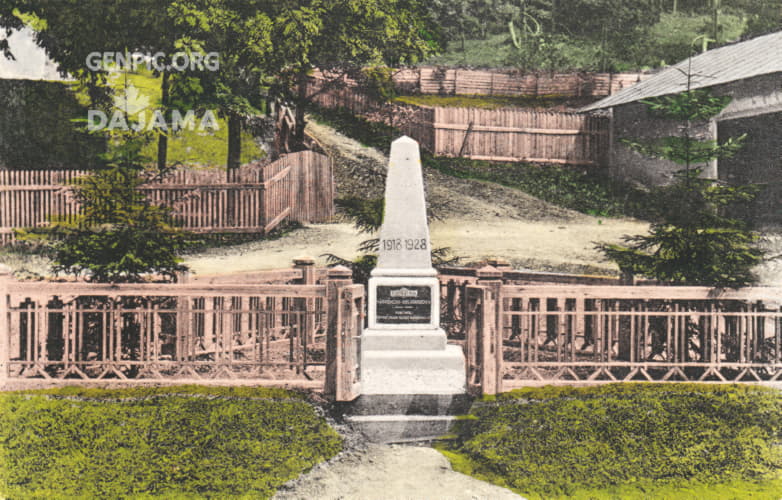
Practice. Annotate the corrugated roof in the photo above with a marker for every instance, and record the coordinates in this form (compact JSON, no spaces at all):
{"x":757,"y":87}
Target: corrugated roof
{"x":755,"y":57}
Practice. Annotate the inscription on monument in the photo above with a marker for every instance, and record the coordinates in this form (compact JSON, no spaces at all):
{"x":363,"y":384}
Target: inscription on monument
{"x":395,"y":244}
{"x":404,"y":304}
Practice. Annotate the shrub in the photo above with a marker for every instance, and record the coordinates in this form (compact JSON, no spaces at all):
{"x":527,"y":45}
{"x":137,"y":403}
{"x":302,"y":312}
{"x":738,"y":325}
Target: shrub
{"x":193,"y":442}
{"x":120,"y":235}
{"x":554,"y":441}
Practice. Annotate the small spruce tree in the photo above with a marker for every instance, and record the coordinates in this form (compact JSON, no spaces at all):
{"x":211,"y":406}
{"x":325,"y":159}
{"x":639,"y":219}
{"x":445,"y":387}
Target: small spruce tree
{"x":119,"y":235}
{"x":692,"y":239}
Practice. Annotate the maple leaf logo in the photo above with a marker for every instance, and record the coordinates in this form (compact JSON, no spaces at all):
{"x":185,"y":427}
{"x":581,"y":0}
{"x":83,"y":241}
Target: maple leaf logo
{"x":131,"y":101}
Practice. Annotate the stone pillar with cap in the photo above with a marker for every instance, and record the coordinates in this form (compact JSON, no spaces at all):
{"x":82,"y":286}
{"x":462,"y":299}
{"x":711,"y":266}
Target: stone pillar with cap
{"x":404,"y":350}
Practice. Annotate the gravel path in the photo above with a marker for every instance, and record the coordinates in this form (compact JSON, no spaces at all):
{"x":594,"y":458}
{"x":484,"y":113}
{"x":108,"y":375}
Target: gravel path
{"x":390,"y":472}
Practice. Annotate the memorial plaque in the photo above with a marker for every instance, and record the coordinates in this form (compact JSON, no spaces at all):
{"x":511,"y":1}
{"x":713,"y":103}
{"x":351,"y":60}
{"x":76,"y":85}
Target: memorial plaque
{"x":404,"y":304}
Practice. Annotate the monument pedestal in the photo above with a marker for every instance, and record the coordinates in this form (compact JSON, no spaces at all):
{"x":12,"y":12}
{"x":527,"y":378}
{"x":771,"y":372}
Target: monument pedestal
{"x":404,"y":351}
{"x":409,"y":374}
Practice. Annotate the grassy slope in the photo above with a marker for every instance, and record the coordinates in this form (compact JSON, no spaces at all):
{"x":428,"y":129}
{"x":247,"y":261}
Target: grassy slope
{"x":174,"y":442}
{"x":668,"y":42}
{"x":190,"y":147}
{"x":569,"y":187}
{"x":626,"y":441}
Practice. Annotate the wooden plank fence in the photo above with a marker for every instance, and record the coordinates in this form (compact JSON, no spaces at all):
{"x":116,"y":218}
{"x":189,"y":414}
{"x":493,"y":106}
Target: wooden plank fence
{"x":253,"y":199}
{"x":520,"y":135}
{"x":498,"y":82}
{"x":508,"y":134}
{"x":435,"y":80}
{"x":298,"y":333}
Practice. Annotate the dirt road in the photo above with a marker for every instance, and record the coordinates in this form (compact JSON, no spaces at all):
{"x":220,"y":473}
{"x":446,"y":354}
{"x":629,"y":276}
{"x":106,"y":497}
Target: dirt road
{"x":475,"y":219}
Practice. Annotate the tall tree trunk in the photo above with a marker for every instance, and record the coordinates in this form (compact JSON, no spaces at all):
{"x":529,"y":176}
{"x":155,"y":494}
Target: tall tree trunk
{"x":234,"y":161}
{"x":301,"y":101}
{"x":715,"y":21}
{"x":234,"y":141}
{"x":162,"y":138}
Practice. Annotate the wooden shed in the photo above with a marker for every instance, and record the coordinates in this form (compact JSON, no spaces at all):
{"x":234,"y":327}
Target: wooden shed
{"x":750,"y":72}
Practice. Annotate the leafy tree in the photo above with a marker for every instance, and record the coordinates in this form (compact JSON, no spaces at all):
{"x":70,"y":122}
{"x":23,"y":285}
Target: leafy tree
{"x":240,"y":31}
{"x":457,"y":17}
{"x":692,"y":240}
{"x":344,"y":36}
{"x":71,"y":30}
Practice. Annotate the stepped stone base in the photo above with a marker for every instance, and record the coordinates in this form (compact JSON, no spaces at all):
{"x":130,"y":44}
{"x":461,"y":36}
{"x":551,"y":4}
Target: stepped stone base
{"x":410,"y":404}
{"x":413,"y":372}
{"x":403,"y":340}
{"x":400,"y":418}
{"x":401,"y":428}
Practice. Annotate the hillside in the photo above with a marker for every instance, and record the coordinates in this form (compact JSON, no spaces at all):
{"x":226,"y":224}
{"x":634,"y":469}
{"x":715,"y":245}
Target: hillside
{"x":475,"y":219}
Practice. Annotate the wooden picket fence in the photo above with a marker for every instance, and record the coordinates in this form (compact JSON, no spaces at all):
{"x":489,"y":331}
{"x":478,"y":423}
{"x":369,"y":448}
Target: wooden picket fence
{"x":506,"y":82}
{"x":253,"y":199}
{"x":521,"y":335}
{"x":508,"y":134}
{"x":299,"y":332}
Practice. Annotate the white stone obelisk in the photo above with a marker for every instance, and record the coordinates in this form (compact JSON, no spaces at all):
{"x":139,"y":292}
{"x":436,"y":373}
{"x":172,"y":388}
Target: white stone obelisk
{"x":404,"y":350}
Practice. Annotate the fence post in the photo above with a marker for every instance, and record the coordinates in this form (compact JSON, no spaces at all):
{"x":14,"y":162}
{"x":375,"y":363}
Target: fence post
{"x":307,"y":266}
{"x":306,"y":306}
{"x":5,"y":324}
{"x":490,"y":341}
{"x":500,"y":264}
{"x":338,"y":277}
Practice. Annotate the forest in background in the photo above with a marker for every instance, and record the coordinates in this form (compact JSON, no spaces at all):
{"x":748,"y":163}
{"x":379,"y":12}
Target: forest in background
{"x":592,"y":35}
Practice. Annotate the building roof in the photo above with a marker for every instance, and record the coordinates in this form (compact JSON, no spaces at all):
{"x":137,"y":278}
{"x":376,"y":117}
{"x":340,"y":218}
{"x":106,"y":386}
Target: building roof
{"x":755,"y":57}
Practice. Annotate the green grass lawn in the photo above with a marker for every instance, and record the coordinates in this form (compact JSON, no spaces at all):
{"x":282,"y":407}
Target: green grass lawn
{"x":626,"y":441}
{"x":189,"y":147}
{"x":668,"y":42}
{"x":174,"y":442}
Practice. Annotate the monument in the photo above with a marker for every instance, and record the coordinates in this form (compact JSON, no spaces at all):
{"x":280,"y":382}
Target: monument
{"x":404,"y":350}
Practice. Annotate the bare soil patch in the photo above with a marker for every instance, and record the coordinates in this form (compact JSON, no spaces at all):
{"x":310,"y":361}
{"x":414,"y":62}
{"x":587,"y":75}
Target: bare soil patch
{"x":390,"y":472}
{"x":475,"y":219}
